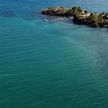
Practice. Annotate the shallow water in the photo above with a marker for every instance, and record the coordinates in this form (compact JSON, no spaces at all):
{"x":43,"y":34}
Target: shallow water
{"x":53,"y":64}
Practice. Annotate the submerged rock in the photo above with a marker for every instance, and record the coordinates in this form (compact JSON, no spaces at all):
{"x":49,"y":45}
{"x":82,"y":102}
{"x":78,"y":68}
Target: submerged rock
{"x":7,"y":13}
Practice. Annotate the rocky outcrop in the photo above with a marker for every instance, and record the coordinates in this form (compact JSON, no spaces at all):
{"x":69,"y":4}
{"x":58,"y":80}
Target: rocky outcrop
{"x":61,"y":11}
{"x":58,"y":11}
{"x":80,"y":16}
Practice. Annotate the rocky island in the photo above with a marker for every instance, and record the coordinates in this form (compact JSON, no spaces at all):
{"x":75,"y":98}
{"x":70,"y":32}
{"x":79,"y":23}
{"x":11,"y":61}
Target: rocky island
{"x":79,"y":16}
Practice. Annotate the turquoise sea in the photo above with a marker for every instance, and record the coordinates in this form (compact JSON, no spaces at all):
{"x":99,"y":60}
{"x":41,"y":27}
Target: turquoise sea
{"x":53,"y":64}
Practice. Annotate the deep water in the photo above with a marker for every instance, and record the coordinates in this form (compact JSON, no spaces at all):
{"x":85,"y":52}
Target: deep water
{"x":53,"y":64}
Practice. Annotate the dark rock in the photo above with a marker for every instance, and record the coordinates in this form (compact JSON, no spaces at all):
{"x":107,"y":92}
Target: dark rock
{"x":7,"y":13}
{"x":80,"y":16}
{"x":58,"y":11}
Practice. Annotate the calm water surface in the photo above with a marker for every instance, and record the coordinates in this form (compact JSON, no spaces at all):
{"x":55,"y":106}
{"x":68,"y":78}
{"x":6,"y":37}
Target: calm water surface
{"x":53,"y":64}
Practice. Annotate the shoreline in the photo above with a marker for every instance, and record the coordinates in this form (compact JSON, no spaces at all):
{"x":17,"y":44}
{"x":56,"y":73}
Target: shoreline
{"x":79,"y":16}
